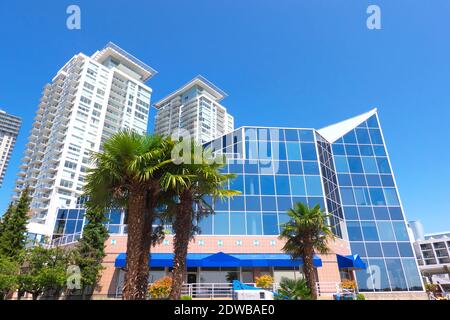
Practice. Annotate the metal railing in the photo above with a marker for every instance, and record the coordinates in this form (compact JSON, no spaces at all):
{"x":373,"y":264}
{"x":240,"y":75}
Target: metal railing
{"x":211,"y":290}
{"x":330,"y":288}
{"x":65,"y":240}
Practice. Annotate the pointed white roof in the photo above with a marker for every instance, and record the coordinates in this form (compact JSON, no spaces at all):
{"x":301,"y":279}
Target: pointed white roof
{"x":335,"y":131}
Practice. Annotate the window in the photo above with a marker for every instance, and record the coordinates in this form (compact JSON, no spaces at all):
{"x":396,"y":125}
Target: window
{"x":89,"y":86}
{"x":313,"y":185}
{"x":361,"y":196}
{"x":293,"y":150}
{"x":370,"y":165}
{"x":284,"y":203}
{"x":355,"y":165}
{"x":351,"y":213}
{"x":270,"y":223}
{"x":409,"y":266}
{"x":310,"y":167}
{"x":252,"y":203}
{"x":369,"y":231}
{"x":383,"y":165}
{"x":85,"y":100}
{"x":350,"y":137}
{"x":405,"y":249}
{"x":295,"y":167}
{"x":354,"y":231}
{"x":237,"y":183}
{"x":267,"y":185}
{"x":291,"y":135}
{"x":376,"y":194}
{"x":390,"y":249}
{"x":205,"y":225}
{"x":298,"y":185}
{"x":306,"y":135}
{"x":338,"y":149}
{"x":269,"y":203}
{"x":362,"y":136}
{"x":391,"y":197}
{"x":65,"y":183}
{"x":358,"y":248}
{"x":381,"y":213}
{"x":400,"y":231}
{"x":378,"y":266}
{"x":254,"y":223}
{"x":375,"y":136}
{"x":365,"y":213}
{"x":251,"y":184}
{"x":373,"y":249}
{"x":282,"y":183}
{"x":237,"y":223}
{"x":221,"y":223}
{"x":347,"y":196}
{"x":395,"y":213}
{"x":221,"y":204}
{"x":366,"y":150}
{"x":396,"y":275}
{"x":70,"y":165}
{"x":237,"y":203}
{"x":308,"y":151}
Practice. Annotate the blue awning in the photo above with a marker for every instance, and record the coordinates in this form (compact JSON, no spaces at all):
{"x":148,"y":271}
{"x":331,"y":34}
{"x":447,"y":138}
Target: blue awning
{"x":221,"y":259}
{"x":350,"y":262}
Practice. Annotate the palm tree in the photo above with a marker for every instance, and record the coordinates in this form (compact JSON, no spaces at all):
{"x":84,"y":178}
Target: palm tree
{"x":191,"y":183}
{"x":126,"y":174}
{"x":306,"y":233}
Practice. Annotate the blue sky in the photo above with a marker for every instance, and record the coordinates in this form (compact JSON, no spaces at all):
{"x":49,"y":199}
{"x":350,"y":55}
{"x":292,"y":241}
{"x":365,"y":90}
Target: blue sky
{"x":283,"y":63}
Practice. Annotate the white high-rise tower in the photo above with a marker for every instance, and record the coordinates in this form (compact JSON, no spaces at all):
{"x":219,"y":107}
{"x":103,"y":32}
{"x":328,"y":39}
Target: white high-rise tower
{"x":9,"y":129}
{"x":88,"y":100}
{"x":196,"y":108}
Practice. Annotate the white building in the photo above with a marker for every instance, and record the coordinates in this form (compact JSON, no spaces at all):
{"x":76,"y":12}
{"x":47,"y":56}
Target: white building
{"x":433,"y":254}
{"x":194,"y":107}
{"x":9,"y":129}
{"x":88,"y":100}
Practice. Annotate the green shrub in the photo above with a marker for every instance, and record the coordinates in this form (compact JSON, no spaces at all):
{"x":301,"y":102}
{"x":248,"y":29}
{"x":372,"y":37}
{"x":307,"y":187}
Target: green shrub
{"x":294,"y":289}
{"x":360,"y":296}
{"x":185,"y":298}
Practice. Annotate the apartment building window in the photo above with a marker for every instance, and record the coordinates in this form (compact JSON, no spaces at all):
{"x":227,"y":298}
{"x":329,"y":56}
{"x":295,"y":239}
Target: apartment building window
{"x":89,"y":86}
{"x":85,"y":100}
{"x":70,"y":165}
{"x":91,"y":72}
{"x":66,"y":184}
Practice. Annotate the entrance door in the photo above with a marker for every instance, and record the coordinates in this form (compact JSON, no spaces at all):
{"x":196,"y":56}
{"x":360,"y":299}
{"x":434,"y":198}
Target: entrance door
{"x":192,"y":278}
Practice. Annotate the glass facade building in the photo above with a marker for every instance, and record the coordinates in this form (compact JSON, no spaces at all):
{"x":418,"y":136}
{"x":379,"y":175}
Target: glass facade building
{"x":344,"y":168}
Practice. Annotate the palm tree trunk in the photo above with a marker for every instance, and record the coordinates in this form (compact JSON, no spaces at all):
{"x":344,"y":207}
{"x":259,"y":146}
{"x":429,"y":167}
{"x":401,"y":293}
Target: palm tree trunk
{"x":183,"y":230}
{"x":140,"y":217}
{"x":308,"y":269}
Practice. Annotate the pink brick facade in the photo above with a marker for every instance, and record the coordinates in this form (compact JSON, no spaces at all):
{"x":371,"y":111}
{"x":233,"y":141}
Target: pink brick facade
{"x":116,"y":244}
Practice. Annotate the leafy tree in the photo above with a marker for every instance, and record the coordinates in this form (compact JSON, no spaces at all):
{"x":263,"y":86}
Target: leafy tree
{"x":90,"y":250}
{"x":14,"y":227}
{"x":6,"y":216}
{"x":126,"y":174}
{"x":306,"y":233}
{"x":9,"y":271}
{"x":294,"y":289}
{"x":43,"y":271}
{"x":191,"y":183}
